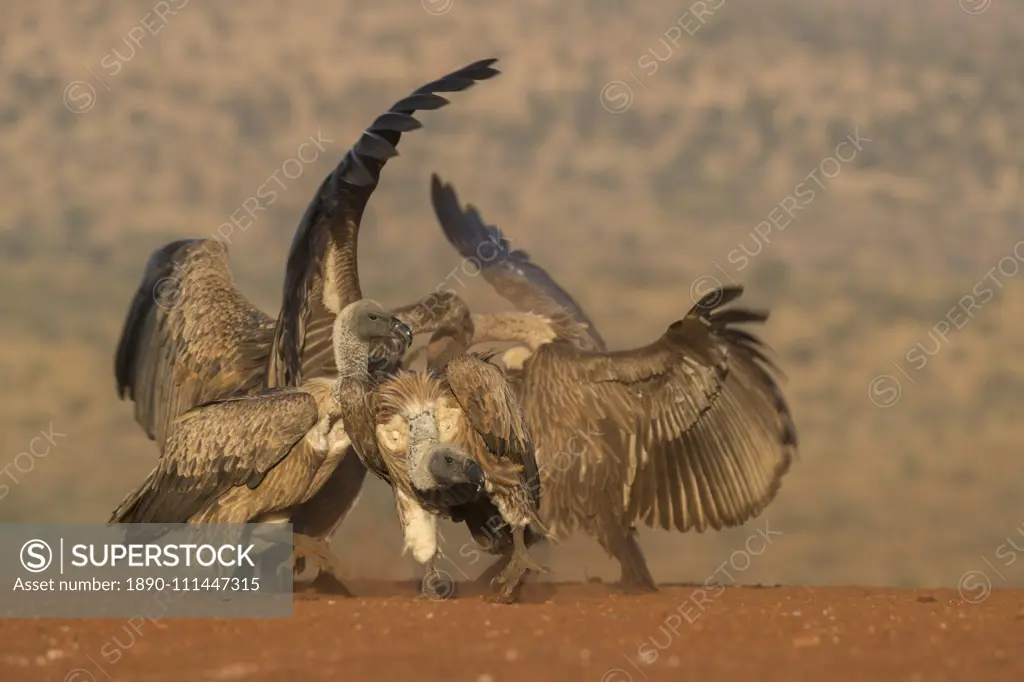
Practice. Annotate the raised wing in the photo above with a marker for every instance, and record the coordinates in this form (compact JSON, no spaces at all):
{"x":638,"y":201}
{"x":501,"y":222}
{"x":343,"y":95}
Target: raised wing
{"x":513,"y":275}
{"x":494,"y":411}
{"x":659,"y":390}
{"x":688,"y":432}
{"x":216,"y":447}
{"x":322,"y":275}
{"x":190,"y":336}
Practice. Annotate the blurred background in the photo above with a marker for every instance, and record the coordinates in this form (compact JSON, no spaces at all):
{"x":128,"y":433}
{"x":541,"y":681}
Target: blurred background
{"x":855,"y":163}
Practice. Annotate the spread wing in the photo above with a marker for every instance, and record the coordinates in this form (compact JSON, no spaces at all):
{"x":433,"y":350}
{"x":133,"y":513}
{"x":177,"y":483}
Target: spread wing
{"x":729,"y":466}
{"x":513,"y":275}
{"x":688,"y":432}
{"x":189,"y":337}
{"x":661,"y":389}
{"x":321,"y":276}
{"x":491,"y":406}
{"x":216,"y":447}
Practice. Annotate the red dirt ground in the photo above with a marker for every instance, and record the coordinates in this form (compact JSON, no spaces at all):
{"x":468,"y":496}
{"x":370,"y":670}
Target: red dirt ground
{"x":559,"y":632}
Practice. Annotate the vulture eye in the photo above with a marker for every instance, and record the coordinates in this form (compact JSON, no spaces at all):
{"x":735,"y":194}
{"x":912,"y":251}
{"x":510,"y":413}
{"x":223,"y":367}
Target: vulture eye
{"x":448,"y":459}
{"x":374,"y":317}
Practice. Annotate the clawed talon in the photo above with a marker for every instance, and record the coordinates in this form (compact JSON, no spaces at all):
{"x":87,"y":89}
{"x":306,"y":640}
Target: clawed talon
{"x":500,"y":598}
{"x":437,"y":585}
{"x":512,"y":576}
{"x":329,"y":583}
{"x":309,"y":550}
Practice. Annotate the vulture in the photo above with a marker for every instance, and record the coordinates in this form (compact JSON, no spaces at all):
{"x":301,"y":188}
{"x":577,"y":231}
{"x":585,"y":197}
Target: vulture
{"x":689,"y":432}
{"x":467,"y":412}
{"x":191,"y":337}
{"x":250,"y":458}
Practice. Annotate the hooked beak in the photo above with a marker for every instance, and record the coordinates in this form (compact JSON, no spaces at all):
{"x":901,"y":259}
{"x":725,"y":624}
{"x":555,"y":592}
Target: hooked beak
{"x":475,"y":474}
{"x":400,"y":330}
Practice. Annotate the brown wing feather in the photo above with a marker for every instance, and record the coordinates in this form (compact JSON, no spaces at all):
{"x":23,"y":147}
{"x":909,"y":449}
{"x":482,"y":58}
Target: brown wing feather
{"x":694,"y":431}
{"x":189,"y":337}
{"x":737,"y":454}
{"x":657,"y":391}
{"x":494,"y":411}
{"x":216,"y":447}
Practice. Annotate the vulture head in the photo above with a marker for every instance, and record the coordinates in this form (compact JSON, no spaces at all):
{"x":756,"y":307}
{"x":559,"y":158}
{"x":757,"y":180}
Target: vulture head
{"x":440,"y":465}
{"x":420,"y":422}
{"x":359,"y":325}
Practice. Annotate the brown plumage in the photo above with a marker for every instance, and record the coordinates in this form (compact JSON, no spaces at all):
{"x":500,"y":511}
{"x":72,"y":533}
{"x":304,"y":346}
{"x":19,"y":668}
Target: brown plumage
{"x":191,"y":336}
{"x":252,"y":458}
{"x":469,"y":405}
{"x":240,"y":459}
{"x":688,"y":433}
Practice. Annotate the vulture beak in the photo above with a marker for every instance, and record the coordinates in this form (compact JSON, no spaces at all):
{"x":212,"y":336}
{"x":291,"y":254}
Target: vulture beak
{"x":475,"y":474}
{"x":400,"y":330}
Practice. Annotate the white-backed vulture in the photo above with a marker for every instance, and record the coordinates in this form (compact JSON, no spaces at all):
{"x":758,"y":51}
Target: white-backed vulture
{"x":466,"y":407}
{"x":191,"y":337}
{"x":321,"y":515}
{"x":688,"y":433}
{"x":251,"y":458}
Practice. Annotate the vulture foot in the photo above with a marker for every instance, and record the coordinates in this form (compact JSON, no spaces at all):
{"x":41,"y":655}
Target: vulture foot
{"x":630,"y":587}
{"x":315,"y":551}
{"x":437,"y":585}
{"x":520,"y":562}
{"x":493,"y":571}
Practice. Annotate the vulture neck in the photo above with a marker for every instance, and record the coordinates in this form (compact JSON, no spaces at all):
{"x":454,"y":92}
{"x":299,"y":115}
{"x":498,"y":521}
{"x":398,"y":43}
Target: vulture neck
{"x":422,"y":436}
{"x":351,"y":354}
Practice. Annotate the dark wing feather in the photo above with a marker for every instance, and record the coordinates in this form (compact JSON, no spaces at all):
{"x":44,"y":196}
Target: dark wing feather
{"x":491,"y":406}
{"x":322,"y":277}
{"x":218,"y":446}
{"x":189,"y":336}
{"x":513,"y":275}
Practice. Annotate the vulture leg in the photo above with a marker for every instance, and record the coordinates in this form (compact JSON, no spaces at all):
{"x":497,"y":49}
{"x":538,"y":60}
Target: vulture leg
{"x":317,"y":552}
{"x":436,"y":585}
{"x":420,"y":530}
{"x":520,"y":562}
{"x":491,"y":573}
{"x":498,"y":543}
{"x":275,"y":561}
{"x":622,"y":544}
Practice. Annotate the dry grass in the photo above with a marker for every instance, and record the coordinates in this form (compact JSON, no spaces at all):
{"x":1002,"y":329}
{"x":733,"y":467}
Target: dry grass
{"x":626,"y":210}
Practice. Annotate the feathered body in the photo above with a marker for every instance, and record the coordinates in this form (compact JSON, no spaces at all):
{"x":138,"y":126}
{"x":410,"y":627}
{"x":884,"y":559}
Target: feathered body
{"x":192,"y":338}
{"x":251,"y":458}
{"x":504,"y":452}
{"x":468,"y":405}
{"x":688,"y":433}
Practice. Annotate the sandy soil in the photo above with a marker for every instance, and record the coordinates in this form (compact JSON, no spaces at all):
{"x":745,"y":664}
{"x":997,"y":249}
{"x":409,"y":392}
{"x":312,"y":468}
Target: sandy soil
{"x":558,"y":632}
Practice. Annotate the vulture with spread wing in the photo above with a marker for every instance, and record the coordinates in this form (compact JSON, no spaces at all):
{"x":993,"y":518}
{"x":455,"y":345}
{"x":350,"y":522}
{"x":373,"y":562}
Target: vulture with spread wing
{"x":688,"y":433}
{"x":191,"y":337}
{"x":465,"y":411}
{"x":251,"y":458}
